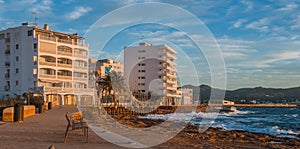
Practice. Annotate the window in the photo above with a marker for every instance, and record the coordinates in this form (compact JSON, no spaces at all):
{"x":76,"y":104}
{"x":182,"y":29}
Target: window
{"x":30,"y":33}
{"x":35,"y":45}
{"x":141,"y":71}
{"x":143,"y":91}
{"x":34,"y":83}
{"x":17,"y":46}
{"x":17,"y":58}
{"x":142,"y":51}
{"x":17,"y":70}
{"x":17,"y":83}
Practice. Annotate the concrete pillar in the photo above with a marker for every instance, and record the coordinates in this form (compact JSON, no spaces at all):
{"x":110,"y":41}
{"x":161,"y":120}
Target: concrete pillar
{"x":62,"y":99}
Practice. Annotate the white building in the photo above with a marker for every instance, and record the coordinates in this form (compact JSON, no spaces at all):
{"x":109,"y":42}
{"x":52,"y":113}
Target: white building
{"x":41,"y":60}
{"x":187,"y":96}
{"x":151,"y":68}
{"x":101,"y":65}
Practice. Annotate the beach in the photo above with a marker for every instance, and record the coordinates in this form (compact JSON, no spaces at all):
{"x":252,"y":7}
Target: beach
{"x":42,"y":130}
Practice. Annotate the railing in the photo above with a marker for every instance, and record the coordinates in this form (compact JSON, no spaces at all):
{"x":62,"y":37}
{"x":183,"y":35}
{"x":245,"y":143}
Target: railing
{"x":52,"y":51}
{"x":65,"y":53}
{"x":47,"y":63}
{"x":170,"y":56}
{"x":64,"y":65}
{"x":80,"y":55}
{"x":7,"y":52}
{"x":7,"y":40}
{"x":65,"y":41}
{"x":80,"y":79}
{"x":171,"y":88}
{"x":64,"y":77}
{"x":54,"y":39}
{"x":7,"y":64}
{"x":47,"y":38}
{"x":47,"y":76}
{"x":6,"y":87}
{"x":7,"y":76}
{"x":51,"y":88}
{"x":80,"y":67}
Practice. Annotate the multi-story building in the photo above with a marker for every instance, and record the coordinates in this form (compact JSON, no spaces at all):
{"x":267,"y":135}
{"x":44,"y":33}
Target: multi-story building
{"x":110,"y":64}
{"x":151,"y":69}
{"x":40,"y":60}
{"x":186,"y":96}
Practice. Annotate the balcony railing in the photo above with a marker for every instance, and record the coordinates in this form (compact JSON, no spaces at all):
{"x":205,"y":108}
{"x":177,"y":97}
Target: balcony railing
{"x":54,"y":39}
{"x":52,"y":76}
{"x":7,"y":76}
{"x":7,"y":64}
{"x":80,"y":67}
{"x":6,"y":87}
{"x":64,"y":65}
{"x":7,"y":40}
{"x":80,"y":79}
{"x":64,"y":77}
{"x":53,"y":64}
{"x":81,"y":55}
{"x":65,"y":53}
{"x":7,"y":52}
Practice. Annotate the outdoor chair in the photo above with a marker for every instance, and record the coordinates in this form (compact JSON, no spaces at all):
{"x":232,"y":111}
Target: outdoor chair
{"x":75,"y":124}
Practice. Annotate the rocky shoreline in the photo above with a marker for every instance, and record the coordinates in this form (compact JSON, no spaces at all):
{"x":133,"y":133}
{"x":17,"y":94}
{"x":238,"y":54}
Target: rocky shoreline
{"x":189,"y":137}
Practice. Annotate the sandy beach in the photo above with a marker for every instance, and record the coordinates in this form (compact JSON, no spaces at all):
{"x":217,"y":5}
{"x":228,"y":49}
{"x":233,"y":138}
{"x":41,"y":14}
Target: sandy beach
{"x":42,"y":130}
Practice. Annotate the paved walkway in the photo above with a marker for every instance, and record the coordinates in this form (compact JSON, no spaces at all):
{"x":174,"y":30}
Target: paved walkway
{"x":42,"y":130}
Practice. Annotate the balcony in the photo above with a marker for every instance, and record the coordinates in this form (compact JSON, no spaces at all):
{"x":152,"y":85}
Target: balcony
{"x":162,"y":73}
{"x":65,"y":53}
{"x":7,"y":40}
{"x":65,"y":41}
{"x":7,"y":64}
{"x":45,"y":63}
{"x":47,"y":76}
{"x":64,"y":65}
{"x":6,"y":87}
{"x":7,"y":52}
{"x":81,"y":56}
{"x":51,"y":88}
{"x":171,"y":88}
{"x":171,"y":62}
{"x":83,"y":79}
{"x":64,"y":77}
{"x":47,"y":38}
{"x":7,"y":76}
{"x":80,"y":67}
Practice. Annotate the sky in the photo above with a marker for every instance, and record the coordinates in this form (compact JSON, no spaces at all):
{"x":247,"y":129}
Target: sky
{"x":259,"y":40}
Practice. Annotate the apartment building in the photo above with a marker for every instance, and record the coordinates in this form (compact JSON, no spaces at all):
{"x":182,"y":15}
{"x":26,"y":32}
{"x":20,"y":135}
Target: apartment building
{"x":151,"y":69}
{"x":186,"y":96}
{"x":45,"y":62}
{"x":110,"y":64}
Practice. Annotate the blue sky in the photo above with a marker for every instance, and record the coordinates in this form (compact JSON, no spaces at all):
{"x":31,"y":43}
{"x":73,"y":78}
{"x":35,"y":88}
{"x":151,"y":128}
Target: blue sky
{"x":259,"y":40}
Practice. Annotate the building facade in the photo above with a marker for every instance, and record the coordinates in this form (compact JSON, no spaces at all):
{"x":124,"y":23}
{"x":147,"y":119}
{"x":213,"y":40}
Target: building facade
{"x":151,"y":69}
{"x":186,"y":96}
{"x":43,"y":61}
{"x":103,"y":64}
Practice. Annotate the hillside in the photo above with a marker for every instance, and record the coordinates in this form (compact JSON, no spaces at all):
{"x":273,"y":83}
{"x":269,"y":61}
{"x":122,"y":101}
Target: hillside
{"x":259,"y":94}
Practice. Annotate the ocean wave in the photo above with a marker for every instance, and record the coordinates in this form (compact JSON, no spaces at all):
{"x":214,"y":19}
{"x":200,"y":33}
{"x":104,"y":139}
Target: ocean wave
{"x":282,"y":131}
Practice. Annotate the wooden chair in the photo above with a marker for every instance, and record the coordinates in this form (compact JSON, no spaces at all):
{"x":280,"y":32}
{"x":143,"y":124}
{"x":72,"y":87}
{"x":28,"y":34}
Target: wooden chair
{"x":74,"y":125}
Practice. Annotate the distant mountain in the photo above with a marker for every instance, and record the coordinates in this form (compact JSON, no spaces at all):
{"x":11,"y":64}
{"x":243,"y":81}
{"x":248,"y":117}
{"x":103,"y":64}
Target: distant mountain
{"x":257,"y":94}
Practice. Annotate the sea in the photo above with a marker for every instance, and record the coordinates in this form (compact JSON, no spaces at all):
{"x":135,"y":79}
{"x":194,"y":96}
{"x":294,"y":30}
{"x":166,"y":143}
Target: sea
{"x":283,"y":122}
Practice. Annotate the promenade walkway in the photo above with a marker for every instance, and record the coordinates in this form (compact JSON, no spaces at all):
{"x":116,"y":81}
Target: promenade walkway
{"x":42,"y":130}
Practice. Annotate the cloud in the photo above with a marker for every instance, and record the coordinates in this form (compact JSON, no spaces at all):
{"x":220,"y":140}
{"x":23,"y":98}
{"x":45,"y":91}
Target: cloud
{"x":288,"y":7}
{"x":239,"y":23}
{"x":262,"y":25}
{"x":1,"y":1}
{"x":42,"y":8}
{"x":296,"y":23}
{"x":78,"y":12}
